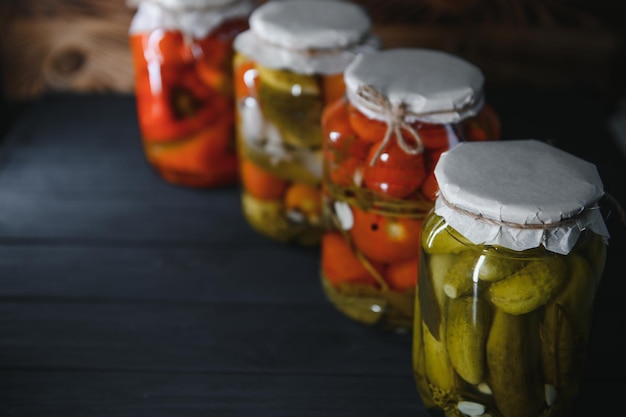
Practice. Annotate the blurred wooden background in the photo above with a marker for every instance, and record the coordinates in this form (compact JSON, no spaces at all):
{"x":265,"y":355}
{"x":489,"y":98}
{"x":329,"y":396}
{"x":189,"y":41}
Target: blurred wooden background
{"x":82,"y":45}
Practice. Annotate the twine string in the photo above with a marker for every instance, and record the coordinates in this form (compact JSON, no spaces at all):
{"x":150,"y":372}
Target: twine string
{"x":395,"y":117}
{"x":366,"y":41}
{"x":514,"y":225}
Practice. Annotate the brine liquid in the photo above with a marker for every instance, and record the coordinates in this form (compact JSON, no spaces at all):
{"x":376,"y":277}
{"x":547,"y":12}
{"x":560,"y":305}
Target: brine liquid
{"x":279,"y":141}
{"x":498,"y":332}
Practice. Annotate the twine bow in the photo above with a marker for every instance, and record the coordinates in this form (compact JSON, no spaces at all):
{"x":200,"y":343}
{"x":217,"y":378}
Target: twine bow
{"x":370,"y":98}
{"x":526,"y":226}
{"x":395,"y":116}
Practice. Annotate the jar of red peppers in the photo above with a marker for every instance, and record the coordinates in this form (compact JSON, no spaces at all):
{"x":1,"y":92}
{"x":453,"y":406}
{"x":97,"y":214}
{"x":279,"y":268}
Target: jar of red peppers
{"x":288,"y":66}
{"x":512,"y":255}
{"x":182,"y":54}
{"x":402,"y":109}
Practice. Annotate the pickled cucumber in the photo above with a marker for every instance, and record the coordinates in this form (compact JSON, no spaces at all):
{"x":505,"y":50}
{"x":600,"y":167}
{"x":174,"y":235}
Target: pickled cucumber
{"x":298,"y":119}
{"x":293,"y":103}
{"x":494,"y":268}
{"x":458,"y":280}
{"x":437,"y":366}
{"x":436,"y":239}
{"x":419,"y":366}
{"x":269,"y":218}
{"x":284,"y":81}
{"x":266,"y":214}
{"x":513,"y":364}
{"x":566,"y":329}
{"x":432,"y":299}
{"x":357,"y":306}
{"x":466,"y":332}
{"x":292,"y":169}
{"x":530,"y":287}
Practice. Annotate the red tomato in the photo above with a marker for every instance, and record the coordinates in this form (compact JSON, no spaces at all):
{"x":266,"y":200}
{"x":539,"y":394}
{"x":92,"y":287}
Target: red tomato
{"x":340,"y":136}
{"x":484,"y":126}
{"x":386,"y":239}
{"x":368,"y":130}
{"x":402,"y":276}
{"x":395,"y":173}
{"x":343,"y":174}
{"x":433,"y":136}
{"x":260,"y":183}
{"x":340,"y":264}
{"x":343,"y":150}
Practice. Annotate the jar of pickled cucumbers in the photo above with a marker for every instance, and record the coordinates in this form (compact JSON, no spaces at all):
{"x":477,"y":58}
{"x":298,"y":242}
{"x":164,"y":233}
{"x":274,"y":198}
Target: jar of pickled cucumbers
{"x":512,"y":255}
{"x":182,"y":54}
{"x":288,"y":66}
{"x":401,"y":110}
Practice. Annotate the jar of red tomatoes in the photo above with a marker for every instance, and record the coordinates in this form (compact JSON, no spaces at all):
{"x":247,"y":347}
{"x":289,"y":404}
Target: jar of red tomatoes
{"x":182,"y":54}
{"x":403,"y":107}
{"x":512,"y":256}
{"x":288,"y":66}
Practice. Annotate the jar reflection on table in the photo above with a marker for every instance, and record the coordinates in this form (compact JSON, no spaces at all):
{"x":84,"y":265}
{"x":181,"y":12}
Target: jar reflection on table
{"x":285,"y":73}
{"x":503,"y":330}
{"x":182,"y":53}
{"x":378,"y":188}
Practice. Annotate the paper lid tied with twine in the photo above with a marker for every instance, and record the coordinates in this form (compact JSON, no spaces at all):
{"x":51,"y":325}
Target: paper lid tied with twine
{"x":519,"y":194}
{"x":193,"y":18}
{"x":307,"y":36}
{"x":425,"y":85}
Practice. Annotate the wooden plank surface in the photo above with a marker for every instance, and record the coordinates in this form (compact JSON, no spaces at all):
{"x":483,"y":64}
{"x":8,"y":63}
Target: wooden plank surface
{"x":221,"y":337}
{"x":162,"y":272}
{"x":131,"y":394}
{"x":121,"y":295}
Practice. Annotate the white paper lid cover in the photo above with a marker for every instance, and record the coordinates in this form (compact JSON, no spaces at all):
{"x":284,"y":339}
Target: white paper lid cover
{"x":184,"y":4}
{"x":424,"y":80}
{"x":310,"y":24}
{"x":307,"y":36}
{"x":513,"y":183}
{"x":196,"y":18}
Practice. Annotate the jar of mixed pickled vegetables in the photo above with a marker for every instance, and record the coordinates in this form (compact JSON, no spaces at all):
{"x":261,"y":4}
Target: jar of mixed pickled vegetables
{"x":402,"y":109}
{"x":182,"y":54}
{"x":512,"y":255}
{"x":288,"y":66}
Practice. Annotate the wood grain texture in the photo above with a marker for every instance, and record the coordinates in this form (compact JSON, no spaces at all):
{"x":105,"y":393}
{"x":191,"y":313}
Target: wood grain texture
{"x":65,"y":46}
{"x":82,"y":45}
{"x":169,"y":394}
{"x":220,"y":336}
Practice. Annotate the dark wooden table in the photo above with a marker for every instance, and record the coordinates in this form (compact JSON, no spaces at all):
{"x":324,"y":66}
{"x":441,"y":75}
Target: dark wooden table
{"x":124,"y":296}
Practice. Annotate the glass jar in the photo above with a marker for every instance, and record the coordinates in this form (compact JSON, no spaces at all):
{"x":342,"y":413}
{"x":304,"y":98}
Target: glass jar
{"x":287,"y":67}
{"x":403,"y":108}
{"x":512,"y":254}
{"x":182,"y":54}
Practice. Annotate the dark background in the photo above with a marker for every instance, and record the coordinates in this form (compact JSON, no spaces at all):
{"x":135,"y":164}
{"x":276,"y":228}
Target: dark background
{"x":121,"y":295}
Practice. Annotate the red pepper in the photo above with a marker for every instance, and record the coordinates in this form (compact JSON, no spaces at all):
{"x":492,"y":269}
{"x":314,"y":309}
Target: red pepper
{"x":177,"y":105}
